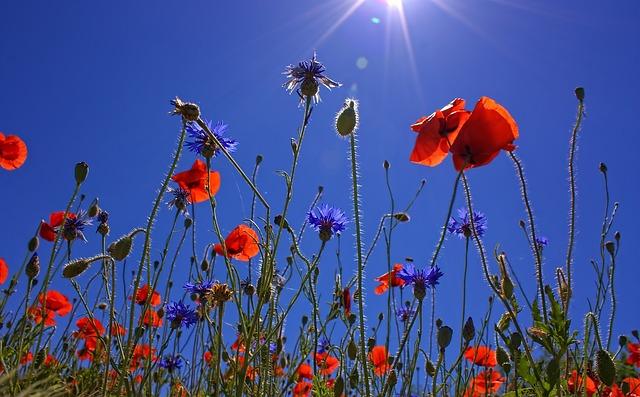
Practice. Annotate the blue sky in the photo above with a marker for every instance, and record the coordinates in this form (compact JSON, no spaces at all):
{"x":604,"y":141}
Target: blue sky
{"x":87,"y":81}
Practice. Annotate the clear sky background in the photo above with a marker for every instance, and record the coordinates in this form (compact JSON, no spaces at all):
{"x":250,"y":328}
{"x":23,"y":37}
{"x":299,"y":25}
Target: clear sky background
{"x":90,"y":81}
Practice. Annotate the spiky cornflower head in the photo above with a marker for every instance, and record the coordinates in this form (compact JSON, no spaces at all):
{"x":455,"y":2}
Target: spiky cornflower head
{"x":307,"y":77}
{"x":218,"y":294}
{"x":188,"y":111}
{"x":103,"y":222}
{"x":180,"y":315}
{"x":202,"y":143}
{"x":405,"y":313}
{"x":198,"y":289}
{"x":327,"y":221}
{"x":462,"y":226}
{"x":180,"y":200}
{"x":324,"y":345}
{"x":171,"y":363}
{"x":421,"y":279}
{"x":73,"y":227}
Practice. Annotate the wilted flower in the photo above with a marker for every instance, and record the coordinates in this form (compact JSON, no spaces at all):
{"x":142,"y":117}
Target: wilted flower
{"x":462,"y":226}
{"x":307,"y":76}
{"x":179,"y":315}
{"x":202,"y":143}
{"x":327,"y":221}
{"x":421,"y":279}
{"x":219,"y":294}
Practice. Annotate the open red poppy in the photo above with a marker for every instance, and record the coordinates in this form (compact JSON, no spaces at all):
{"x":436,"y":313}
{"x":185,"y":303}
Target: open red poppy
{"x":482,"y":356}
{"x":48,"y":230}
{"x":489,"y":129}
{"x":13,"y":152}
{"x":151,"y":318}
{"x":194,"y":181}
{"x":485,"y":383}
{"x":389,"y":279}
{"x":4,"y":271}
{"x":302,"y":389}
{"x":326,"y":363}
{"x":89,"y":330}
{"x":380,"y":360}
{"x":304,"y":371}
{"x":143,"y":294}
{"x":575,"y":383}
{"x":436,"y":132}
{"x":240,"y":244}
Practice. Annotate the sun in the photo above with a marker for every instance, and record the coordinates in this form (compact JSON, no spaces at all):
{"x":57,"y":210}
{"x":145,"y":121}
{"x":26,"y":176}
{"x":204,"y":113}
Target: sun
{"x":394,"y":3}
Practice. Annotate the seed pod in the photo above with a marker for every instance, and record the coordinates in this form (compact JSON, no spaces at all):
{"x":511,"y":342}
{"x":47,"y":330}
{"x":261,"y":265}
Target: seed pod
{"x":33,"y":267}
{"x":444,"y":337}
{"x":81,"y":171}
{"x":347,"y":118}
{"x":34,"y":243}
{"x":204,"y":265}
{"x":605,"y":368}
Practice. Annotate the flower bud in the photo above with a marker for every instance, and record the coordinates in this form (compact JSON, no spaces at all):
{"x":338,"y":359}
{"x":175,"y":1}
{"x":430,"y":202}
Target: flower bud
{"x":401,"y":217}
{"x":204,"y":265}
{"x":431,"y":369}
{"x":605,"y":368}
{"x":622,"y":340}
{"x":121,"y":248}
{"x":104,"y":229}
{"x":188,"y":222}
{"x":444,"y":337}
{"x":580,"y":93}
{"x":603,"y":168}
{"x":33,"y":267}
{"x":352,"y":350}
{"x":75,"y":268}
{"x":309,"y":87}
{"x":347,"y":118}
{"x":469,"y":330}
{"x":102,"y":305}
{"x":34,"y":243}
{"x":611,"y":247}
{"x":94,"y":209}
{"x":81,"y":171}
{"x":386,"y":165}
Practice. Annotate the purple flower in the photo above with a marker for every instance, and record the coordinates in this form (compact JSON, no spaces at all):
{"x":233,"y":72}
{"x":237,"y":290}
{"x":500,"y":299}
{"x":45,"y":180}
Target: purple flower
{"x":199,"y":289}
{"x":202,"y":143}
{"x":171,"y":363}
{"x":307,"y":76}
{"x":73,"y":227}
{"x":462,"y":226}
{"x":420,"y":279}
{"x":327,"y":221}
{"x":180,"y":315}
{"x":181,"y":198}
{"x":323,"y":345}
{"x":542,"y":241}
{"x":405,"y":313}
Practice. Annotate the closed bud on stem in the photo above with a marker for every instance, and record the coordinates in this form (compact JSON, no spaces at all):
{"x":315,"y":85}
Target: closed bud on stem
{"x":188,"y":222}
{"x":444,"y":337}
{"x":204,"y":265}
{"x":603,"y":168}
{"x":75,"y":268}
{"x":94,"y":209}
{"x":605,"y":368}
{"x":386,"y":165}
{"x":102,"y":305}
{"x":34,"y":243}
{"x":259,"y":159}
{"x":33,"y":267}
{"x":401,"y":217}
{"x":81,"y":171}
{"x":469,"y":330}
{"x":622,"y":340}
{"x":431,"y":369}
{"x":121,"y":248}
{"x":347,"y":118}
{"x":611,"y":247}
{"x":580,"y":93}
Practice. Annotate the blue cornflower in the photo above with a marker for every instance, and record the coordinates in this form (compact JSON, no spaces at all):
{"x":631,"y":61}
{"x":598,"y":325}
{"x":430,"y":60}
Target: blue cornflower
{"x":171,"y":363}
{"x":327,"y":221}
{"x":405,"y":313}
{"x":181,"y":198}
{"x":307,"y":76}
{"x":203,"y":144}
{"x":542,"y":241}
{"x":74,"y":226}
{"x":462,"y":226}
{"x":421,"y":279}
{"x":324,"y":345}
{"x":199,"y":289}
{"x":180,"y":315}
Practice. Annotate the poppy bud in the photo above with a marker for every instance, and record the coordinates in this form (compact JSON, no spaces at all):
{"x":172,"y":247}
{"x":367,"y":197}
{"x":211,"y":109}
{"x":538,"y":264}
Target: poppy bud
{"x":33,"y":267}
{"x":75,"y":268}
{"x":305,"y":319}
{"x":34,"y":242}
{"x":352,"y":350}
{"x":81,"y":171}
{"x":431,"y":369}
{"x":204,"y":265}
{"x":401,"y":216}
{"x":347,"y":118}
{"x":338,"y":386}
{"x":249,"y":290}
{"x":515,"y":341}
{"x":580,"y":93}
{"x":444,"y":337}
{"x":603,"y":168}
{"x":120,"y":249}
{"x":393,"y":379}
{"x":622,"y":340}
{"x":139,"y":332}
{"x":611,"y":248}
{"x":469,"y":330}
{"x":605,"y":368}
{"x":188,"y":222}
{"x":280,"y":221}
{"x":309,"y":87}
{"x":188,"y":111}
{"x":501,"y":356}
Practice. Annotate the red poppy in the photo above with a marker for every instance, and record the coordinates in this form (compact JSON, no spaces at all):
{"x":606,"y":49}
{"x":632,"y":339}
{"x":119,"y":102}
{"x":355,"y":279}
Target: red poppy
{"x":482,"y":356}
{"x":194,"y":181}
{"x":143,"y":294}
{"x":50,"y":361}
{"x":489,"y":129}
{"x":4,"y":271}
{"x":634,"y":386}
{"x":486,"y":382}
{"x":576,"y":383}
{"x":207,"y":356}
{"x":89,"y":330}
{"x":141,"y":352}
{"x":305,"y":371}
{"x":346,"y":301}
{"x":26,"y":358}
{"x":13,"y":152}
{"x":48,"y":231}
{"x":380,"y":360}
{"x":613,"y":391}
{"x":53,"y":303}
{"x":326,"y":363}
{"x":302,"y":389}
{"x":151,"y":318}
{"x":436,"y":132}
{"x":251,"y":372}
{"x":634,"y":354}
{"x":241,"y":244}
{"x":389,"y":279}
